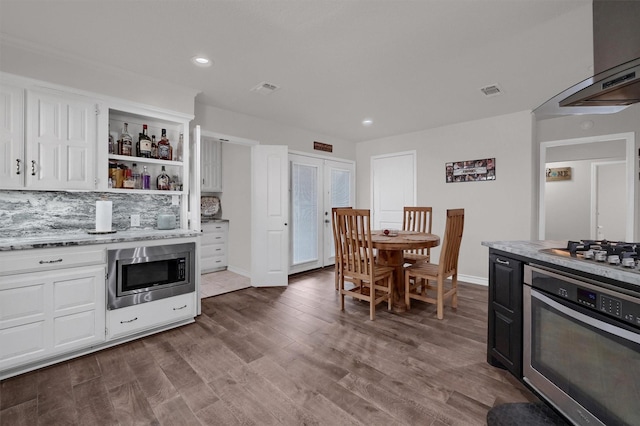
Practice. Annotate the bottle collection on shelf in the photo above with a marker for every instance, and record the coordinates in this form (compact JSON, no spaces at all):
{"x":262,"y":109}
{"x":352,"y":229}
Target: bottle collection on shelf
{"x":121,"y":176}
{"x":146,"y":147}
{"x":125,"y":177}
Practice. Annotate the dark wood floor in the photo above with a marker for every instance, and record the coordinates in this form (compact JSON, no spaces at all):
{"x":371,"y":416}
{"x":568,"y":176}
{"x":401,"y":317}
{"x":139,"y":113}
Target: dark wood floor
{"x":281,"y":356}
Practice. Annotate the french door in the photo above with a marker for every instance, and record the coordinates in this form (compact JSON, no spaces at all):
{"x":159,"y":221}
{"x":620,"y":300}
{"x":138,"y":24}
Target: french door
{"x":316,"y":185}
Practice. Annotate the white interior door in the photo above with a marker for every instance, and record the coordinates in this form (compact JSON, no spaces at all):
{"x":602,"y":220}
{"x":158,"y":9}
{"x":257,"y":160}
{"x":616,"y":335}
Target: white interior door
{"x":269,"y":216}
{"x":393,"y":181}
{"x":610,"y":199}
{"x":317,"y":185}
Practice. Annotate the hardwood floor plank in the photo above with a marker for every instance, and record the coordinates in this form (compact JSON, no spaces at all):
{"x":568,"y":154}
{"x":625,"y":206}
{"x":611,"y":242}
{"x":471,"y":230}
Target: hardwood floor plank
{"x":174,"y":412}
{"x":154,"y":384}
{"x":85,"y":368}
{"x":114,"y":372}
{"x":198,"y":397}
{"x":19,"y":389}
{"x":217,"y":414}
{"x":24,"y":413}
{"x":97,"y":411}
{"x":130,"y":405}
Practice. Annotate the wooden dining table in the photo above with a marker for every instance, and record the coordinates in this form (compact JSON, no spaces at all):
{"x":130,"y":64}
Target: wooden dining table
{"x":391,"y":253}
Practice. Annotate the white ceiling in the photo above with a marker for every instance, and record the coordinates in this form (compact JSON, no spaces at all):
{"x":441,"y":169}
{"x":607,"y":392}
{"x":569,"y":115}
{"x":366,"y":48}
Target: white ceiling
{"x":408,"y":65}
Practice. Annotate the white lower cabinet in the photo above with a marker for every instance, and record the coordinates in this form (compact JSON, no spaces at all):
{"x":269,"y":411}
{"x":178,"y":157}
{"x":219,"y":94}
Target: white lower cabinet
{"x":44,"y":314}
{"x":213,"y":246}
{"x":145,"y":316}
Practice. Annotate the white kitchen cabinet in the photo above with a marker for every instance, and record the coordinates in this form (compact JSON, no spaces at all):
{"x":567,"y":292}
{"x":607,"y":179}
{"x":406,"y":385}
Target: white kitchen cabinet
{"x":11,"y":136}
{"x":48,"y":313}
{"x":213,"y":246}
{"x":211,"y":164}
{"x":145,"y":316}
{"x":60,"y":149}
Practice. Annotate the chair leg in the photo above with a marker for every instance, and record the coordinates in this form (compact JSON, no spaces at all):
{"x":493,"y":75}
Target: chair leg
{"x":454,"y":285}
{"x":407,"y":290}
{"x":440,"y":298}
{"x":372,"y":304}
{"x":389,"y":291}
{"x":341,"y":296}
{"x":337,"y":274}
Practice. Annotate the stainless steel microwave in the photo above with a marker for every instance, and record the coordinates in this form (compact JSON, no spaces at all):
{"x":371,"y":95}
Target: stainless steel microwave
{"x":143,"y":274}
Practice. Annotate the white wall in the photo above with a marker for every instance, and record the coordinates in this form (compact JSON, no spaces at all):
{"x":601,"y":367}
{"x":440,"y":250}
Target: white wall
{"x":236,"y":205}
{"x":568,"y":203}
{"x":494,"y":210}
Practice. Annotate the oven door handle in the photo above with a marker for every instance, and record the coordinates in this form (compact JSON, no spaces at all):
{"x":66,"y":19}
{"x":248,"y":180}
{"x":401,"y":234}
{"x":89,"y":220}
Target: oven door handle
{"x":593,"y":322}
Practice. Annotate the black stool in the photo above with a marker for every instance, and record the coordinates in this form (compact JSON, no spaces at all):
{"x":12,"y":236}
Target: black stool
{"x":523,"y":414}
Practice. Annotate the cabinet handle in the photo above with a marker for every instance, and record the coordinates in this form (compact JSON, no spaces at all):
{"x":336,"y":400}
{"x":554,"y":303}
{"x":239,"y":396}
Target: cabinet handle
{"x":128,"y":321}
{"x":181,"y":307}
{"x":33,"y":168}
{"x":17,"y":166}
{"x":503,"y":262}
{"x":42,"y":262}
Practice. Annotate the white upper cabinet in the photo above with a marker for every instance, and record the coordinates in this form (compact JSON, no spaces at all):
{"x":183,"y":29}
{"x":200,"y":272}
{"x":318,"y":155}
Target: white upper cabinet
{"x":11,"y":136}
{"x":61,"y":141}
{"x":211,"y":164}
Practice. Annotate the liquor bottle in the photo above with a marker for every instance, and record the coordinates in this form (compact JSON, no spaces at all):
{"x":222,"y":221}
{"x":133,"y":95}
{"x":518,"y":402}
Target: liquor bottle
{"x":164,"y":147}
{"x":179,"y":148}
{"x":135,"y":174}
{"x":146,"y":178}
{"x":154,"y":147}
{"x":144,"y":143}
{"x":128,"y":179}
{"x":112,"y":142}
{"x":163,"y":180}
{"x":125,"y":143}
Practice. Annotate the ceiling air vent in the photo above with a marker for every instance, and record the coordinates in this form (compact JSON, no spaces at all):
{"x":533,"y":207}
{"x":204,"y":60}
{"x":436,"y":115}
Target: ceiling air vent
{"x":265,"y":88}
{"x":491,"y":90}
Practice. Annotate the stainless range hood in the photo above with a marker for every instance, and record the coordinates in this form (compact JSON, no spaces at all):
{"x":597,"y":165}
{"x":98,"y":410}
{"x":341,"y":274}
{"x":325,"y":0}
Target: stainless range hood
{"x":616,"y":85}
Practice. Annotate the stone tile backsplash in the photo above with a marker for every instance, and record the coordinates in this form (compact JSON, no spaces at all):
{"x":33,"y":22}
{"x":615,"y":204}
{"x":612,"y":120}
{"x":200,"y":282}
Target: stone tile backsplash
{"x":29,"y":213}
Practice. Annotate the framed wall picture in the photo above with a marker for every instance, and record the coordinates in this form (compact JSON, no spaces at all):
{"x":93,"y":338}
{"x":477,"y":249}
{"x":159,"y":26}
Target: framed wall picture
{"x":471,"y":170}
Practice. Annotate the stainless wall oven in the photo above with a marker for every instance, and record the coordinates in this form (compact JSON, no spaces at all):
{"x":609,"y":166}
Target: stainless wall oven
{"x":143,"y":274}
{"x":581,"y":342}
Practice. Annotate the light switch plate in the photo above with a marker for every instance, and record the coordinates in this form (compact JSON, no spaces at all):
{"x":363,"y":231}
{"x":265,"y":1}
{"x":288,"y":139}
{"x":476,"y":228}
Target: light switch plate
{"x":135,"y":220}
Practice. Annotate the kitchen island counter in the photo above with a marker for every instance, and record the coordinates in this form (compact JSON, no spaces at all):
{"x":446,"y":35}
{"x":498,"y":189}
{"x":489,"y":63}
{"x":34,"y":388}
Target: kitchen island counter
{"x":68,"y":239}
{"x":532,"y":251}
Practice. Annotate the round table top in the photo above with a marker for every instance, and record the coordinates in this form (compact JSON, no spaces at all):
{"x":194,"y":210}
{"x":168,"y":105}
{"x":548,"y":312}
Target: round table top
{"x":404,"y":240}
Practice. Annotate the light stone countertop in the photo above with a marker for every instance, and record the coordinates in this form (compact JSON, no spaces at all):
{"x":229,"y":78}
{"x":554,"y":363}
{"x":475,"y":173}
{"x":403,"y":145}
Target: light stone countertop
{"x":80,"y":238}
{"x":531,"y":250}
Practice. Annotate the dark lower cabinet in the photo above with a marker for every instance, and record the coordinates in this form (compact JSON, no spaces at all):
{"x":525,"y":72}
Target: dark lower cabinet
{"x":504,"y":342}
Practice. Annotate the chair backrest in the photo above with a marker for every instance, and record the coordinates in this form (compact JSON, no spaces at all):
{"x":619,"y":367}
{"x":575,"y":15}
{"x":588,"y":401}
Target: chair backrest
{"x":334,"y":226}
{"x":354,"y":235}
{"x":417,"y":219}
{"x":452,"y":239}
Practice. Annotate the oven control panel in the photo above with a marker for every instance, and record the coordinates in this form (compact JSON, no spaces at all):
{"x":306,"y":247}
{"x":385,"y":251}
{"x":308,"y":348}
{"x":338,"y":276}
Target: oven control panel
{"x":606,"y":301}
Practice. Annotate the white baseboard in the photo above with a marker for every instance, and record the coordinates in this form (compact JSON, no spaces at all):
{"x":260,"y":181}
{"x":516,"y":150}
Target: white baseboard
{"x":473,"y":280}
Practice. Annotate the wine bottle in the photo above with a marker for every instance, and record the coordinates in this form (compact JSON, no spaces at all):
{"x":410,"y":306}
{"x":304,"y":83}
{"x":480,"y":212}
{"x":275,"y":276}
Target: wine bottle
{"x":164,"y":147}
{"x":126,"y":142}
{"x":154,"y":147}
{"x":135,"y":174}
{"x":179,"y":148}
{"x":163,"y":180}
{"x":144,"y":143}
{"x":146,"y":178}
{"x":112,"y":143}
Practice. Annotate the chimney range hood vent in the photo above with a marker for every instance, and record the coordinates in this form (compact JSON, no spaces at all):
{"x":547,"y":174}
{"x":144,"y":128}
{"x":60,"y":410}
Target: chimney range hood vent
{"x":616,"y":85}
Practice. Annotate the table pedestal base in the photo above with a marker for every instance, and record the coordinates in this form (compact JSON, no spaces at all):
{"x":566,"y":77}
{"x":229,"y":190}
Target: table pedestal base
{"x":395,"y":259}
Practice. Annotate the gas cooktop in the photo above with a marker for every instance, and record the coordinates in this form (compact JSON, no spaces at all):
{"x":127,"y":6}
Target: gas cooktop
{"x":615,"y":254}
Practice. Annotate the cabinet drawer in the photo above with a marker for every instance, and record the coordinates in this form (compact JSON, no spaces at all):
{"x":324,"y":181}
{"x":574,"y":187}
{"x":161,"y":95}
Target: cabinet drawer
{"x":46,"y":259}
{"x":134,"y":319}
{"x":213,"y":250}
{"x":211,"y":263}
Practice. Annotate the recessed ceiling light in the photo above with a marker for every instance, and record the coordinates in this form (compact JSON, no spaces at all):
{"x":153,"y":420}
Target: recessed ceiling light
{"x":367,"y":122}
{"x":201,"y":61}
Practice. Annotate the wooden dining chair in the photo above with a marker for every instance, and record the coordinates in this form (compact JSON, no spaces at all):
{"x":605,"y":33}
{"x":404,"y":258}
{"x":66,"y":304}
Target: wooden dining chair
{"x":337,"y":247}
{"x":417,"y":219}
{"x":367,"y":281}
{"x":422,"y":273}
